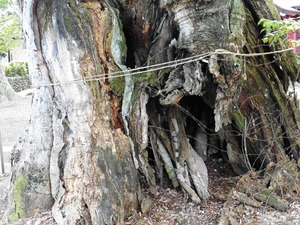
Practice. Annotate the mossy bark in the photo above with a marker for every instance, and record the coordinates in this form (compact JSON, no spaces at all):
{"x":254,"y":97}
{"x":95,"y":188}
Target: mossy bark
{"x":94,"y":131}
{"x":18,"y":190}
{"x":255,"y":121}
{"x":74,"y":157}
{"x":271,"y":117}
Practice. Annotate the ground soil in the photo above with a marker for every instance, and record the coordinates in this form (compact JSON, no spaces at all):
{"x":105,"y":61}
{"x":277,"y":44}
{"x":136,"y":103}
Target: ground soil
{"x":168,"y":206}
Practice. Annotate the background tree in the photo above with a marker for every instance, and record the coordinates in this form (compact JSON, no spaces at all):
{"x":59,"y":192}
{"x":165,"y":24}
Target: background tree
{"x":10,"y":37}
{"x":92,"y":127}
{"x":10,"y":27}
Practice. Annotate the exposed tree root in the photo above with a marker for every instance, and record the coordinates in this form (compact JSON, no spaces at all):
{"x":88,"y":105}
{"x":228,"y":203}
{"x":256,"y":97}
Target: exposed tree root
{"x":274,"y":187}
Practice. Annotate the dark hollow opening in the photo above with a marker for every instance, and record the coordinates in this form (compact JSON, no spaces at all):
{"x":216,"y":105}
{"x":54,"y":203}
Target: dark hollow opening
{"x":200,"y":126}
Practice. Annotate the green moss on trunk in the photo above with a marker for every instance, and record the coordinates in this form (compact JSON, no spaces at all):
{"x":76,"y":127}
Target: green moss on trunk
{"x":238,"y":119}
{"x":117,"y":86}
{"x":18,"y":189}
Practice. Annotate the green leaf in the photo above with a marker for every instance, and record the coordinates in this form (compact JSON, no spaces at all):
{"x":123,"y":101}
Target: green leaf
{"x":10,"y":27}
{"x":277,"y":30}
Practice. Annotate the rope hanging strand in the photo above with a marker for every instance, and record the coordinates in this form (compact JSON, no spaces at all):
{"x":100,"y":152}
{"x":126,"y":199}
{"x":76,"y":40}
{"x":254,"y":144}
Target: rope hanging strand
{"x":132,"y":72}
{"x":159,"y":66}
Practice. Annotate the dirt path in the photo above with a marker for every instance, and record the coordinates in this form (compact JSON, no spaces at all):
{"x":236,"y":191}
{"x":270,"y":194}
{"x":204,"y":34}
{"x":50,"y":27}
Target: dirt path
{"x":13,"y":119}
{"x":14,"y":116}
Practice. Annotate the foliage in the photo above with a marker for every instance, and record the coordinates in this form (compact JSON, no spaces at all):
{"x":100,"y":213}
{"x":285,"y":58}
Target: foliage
{"x":16,"y":69}
{"x":10,"y":27}
{"x":277,"y":30}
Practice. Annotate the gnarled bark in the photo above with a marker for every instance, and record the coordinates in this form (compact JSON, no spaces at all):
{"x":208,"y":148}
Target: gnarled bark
{"x":235,"y":102}
{"x":88,"y":132}
{"x":74,"y":157}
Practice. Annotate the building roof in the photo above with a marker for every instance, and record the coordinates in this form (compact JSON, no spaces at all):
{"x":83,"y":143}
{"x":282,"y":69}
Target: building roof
{"x":289,"y":7}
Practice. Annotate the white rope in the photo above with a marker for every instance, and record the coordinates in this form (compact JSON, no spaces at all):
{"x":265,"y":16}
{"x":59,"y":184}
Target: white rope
{"x":159,"y":66}
{"x":132,"y":72}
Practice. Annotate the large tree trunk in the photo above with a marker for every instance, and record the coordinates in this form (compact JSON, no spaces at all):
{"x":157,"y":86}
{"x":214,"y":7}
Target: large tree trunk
{"x":232,"y":103}
{"x":74,"y":157}
{"x":88,"y":134}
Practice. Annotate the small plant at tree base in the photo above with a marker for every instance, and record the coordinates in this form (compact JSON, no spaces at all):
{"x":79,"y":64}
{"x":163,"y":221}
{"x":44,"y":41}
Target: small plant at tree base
{"x":16,"y":69}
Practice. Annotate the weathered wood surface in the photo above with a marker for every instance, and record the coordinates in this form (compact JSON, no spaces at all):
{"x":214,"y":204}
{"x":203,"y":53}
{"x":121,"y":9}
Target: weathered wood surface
{"x":74,"y":157}
{"x":1,"y":156}
{"x":87,"y":139}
